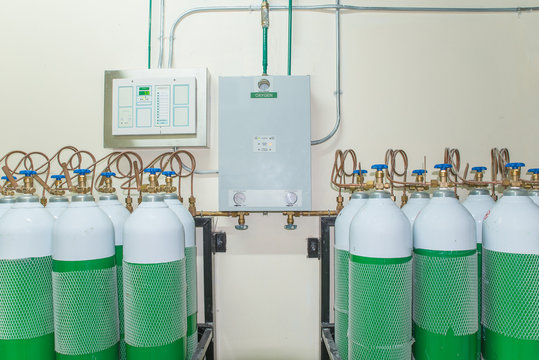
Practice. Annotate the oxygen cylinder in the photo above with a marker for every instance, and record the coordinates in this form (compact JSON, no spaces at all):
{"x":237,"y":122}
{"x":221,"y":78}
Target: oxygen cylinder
{"x":380,"y":276}
{"x":84,"y":280}
{"x":510,"y":316}
{"x":57,"y":202}
{"x":154,"y":280}
{"x":9,"y":199}
{"x":342,"y":254}
{"x":118,"y":214}
{"x":534,"y":192}
{"x":418,"y":200}
{"x":188,"y":224}
{"x":26,"y":313}
{"x":478,"y":203}
{"x":445,"y":311}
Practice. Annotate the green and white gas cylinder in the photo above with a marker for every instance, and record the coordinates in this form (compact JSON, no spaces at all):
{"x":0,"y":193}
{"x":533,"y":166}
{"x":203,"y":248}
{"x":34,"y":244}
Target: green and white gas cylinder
{"x":26,"y":311}
{"x":510,"y":316}
{"x":342,"y":255}
{"x":118,"y":214}
{"x":419,"y":198}
{"x":57,"y":202}
{"x":445,"y":311}
{"x":478,"y":203}
{"x":534,"y":192}
{"x":8,"y":199}
{"x":188,"y":224}
{"x":154,"y":280}
{"x":84,"y":280}
{"x":380,"y":277}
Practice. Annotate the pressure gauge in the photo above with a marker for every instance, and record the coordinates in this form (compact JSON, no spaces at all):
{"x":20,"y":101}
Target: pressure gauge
{"x":239,"y":198}
{"x":291,"y":198}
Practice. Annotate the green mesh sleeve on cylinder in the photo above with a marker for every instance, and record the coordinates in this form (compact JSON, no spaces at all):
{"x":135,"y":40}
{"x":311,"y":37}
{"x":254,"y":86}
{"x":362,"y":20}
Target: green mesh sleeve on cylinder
{"x":380,"y":308}
{"x":85,"y":311}
{"x":511,"y":294}
{"x":155,"y":303}
{"x":191,"y":284}
{"x":341,"y":302}
{"x":26,"y":298}
{"x":445,"y":292}
{"x":119,"y":273}
{"x":479,"y":296}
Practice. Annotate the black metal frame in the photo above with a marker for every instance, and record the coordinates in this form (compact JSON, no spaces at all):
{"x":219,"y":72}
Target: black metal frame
{"x":328,"y":349}
{"x":206,"y":331}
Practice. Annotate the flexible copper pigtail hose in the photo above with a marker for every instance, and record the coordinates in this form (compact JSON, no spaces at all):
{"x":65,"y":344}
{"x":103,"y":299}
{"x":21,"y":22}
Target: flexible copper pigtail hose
{"x":392,"y":171}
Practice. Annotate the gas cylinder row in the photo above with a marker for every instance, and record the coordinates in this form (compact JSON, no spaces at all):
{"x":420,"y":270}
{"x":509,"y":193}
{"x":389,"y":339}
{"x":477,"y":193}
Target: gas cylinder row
{"x":82,"y":279}
{"x":438,"y":279}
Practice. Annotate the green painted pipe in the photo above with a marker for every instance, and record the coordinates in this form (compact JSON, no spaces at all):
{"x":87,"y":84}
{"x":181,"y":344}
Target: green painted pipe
{"x":150,"y":36}
{"x":289,"y":37}
{"x":264,"y":51}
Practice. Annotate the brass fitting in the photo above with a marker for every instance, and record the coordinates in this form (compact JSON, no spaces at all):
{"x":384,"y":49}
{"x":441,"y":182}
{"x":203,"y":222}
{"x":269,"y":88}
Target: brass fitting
{"x":419,"y":178}
{"x":404,"y":199}
{"x":192,"y":205}
{"x":28,"y":185}
{"x":514,"y":174}
{"x":43,"y":201}
{"x":443,"y":176}
{"x":57,"y":183}
{"x":107,"y":184}
{"x":290,"y":220}
{"x":168,"y":187}
{"x":129,"y":203}
{"x":340,"y":201}
{"x":379,"y":178}
{"x":264,"y":15}
{"x":81,"y":187}
{"x":534,"y":178}
{"x":8,"y":189}
{"x":479,"y":174}
{"x":153,"y":186}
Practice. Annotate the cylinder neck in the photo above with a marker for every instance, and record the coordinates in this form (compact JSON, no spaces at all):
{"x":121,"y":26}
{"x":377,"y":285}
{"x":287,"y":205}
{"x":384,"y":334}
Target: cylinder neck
{"x":82,"y":198}
{"x":359,"y":195}
{"x":27,"y":198}
{"x":380,"y":194}
{"x":420,"y":195}
{"x":444,"y":193}
{"x":479,"y":191}
{"x":515,"y":191}
{"x":108,"y":197}
{"x":152,"y":198}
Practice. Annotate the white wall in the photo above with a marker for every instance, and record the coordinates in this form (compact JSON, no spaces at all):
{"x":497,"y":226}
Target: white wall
{"x":420,"y":82}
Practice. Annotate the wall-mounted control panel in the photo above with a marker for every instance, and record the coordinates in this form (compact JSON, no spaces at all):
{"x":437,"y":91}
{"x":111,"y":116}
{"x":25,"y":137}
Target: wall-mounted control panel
{"x":156,"y":108}
{"x":264,"y":143}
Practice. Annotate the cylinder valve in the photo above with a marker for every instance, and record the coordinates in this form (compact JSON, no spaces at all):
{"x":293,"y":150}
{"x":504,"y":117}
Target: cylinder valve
{"x":107,"y":185}
{"x":28,"y":187}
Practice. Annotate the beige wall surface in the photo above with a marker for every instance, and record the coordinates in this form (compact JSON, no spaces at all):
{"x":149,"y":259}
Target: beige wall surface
{"x":416,"y":81}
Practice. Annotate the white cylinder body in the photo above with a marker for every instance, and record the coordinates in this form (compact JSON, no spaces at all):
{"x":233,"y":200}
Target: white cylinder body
{"x":83,"y":232}
{"x":26,"y":231}
{"x":117,"y":213}
{"x":6,"y":203}
{"x":534,"y":195}
{"x":342,"y":246}
{"x":478,"y":203}
{"x":417,"y":202}
{"x":153,"y":234}
{"x":380,"y":230}
{"x":512,"y":226}
{"x":186,"y":219}
{"x":57,"y":205}
{"x":444,"y":224}
{"x":26,"y":306}
{"x":344,"y":219}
